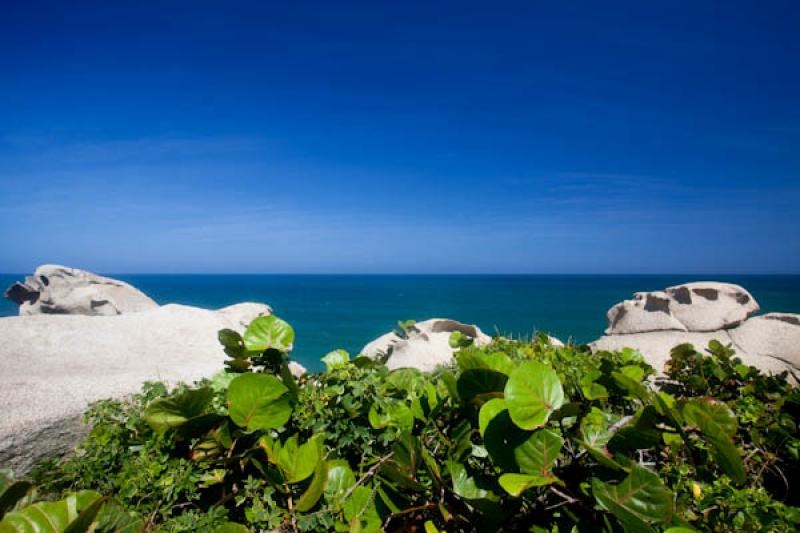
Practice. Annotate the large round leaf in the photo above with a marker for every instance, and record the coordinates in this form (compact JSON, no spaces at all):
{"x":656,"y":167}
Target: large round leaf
{"x":467,"y":487}
{"x":336,"y":358}
{"x":501,"y":437}
{"x":710,"y":414}
{"x":718,"y":424}
{"x":268,"y":332}
{"x":340,"y":480}
{"x":313,"y":493}
{"x":488,"y":411}
{"x":532,"y":393}
{"x":639,"y":500}
{"x":12,"y":493}
{"x":297,"y":461}
{"x":258,"y":401}
{"x":480,"y":385}
{"x":175,"y":411}
{"x":538,"y":453}
{"x":516,"y":484}
{"x":53,"y":517}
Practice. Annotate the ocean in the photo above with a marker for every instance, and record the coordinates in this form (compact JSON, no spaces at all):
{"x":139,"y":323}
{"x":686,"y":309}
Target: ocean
{"x":347,"y":311}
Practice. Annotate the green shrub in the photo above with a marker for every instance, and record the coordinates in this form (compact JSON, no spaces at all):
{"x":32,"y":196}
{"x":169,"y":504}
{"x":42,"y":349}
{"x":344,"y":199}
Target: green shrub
{"x":515,"y":436}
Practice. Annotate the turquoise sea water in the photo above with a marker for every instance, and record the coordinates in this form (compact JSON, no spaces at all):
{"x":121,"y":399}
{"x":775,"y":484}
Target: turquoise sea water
{"x":347,"y":311}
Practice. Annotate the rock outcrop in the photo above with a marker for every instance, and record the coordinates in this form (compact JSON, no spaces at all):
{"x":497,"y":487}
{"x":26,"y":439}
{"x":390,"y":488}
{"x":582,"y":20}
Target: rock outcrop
{"x":425,"y":345}
{"x":59,"y":290}
{"x":54,"y":364}
{"x":700,"y":306}
{"x":655,"y":322}
{"x":774,"y":335}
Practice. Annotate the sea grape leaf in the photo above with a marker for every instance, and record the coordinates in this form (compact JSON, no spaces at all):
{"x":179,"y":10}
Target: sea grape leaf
{"x":488,"y":411}
{"x":538,"y":453}
{"x":50,"y":517}
{"x":718,"y":424}
{"x":386,"y":499}
{"x":469,"y":360}
{"x":532,"y":393}
{"x":360,"y":511}
{"x":268,"y":332}
{"x":86,"y":517}
{"x":590,"y":388}
{"x":596,"y":432}
{"x":632,"y":386}
{"x":11,"y":494}
{"x":516,"y":484}
{"x":639,"y":434}
{"x":499,"y":362}
{"x":450,"y":384}
{"x":501,"y":437}
{"x":638,"y":501}
{"x":336,"y":358}
{"x":176,"y":410}
{"x":466,"y":486}
{"x":232,"y":343}
{"x":258,"y":401}
{"x":707,"y":412}
{"x":480,"y":384}
{"x":567,"y":410}
{"x":357,"y":503}
{"x":340,"y":480}
{"x":403,"y":465}
{"x":315,"y":489}
{"x":634,"y":372}
{"x":297,"y":461}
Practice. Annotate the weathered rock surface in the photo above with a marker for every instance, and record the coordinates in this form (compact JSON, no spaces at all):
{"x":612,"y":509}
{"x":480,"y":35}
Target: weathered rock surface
{"x":82,"y":338}
{"x":59,"y":290}
{"x":711,"y":306}
{"x":699,"y":306}
{"x":426,"y":346}
{"x":655,"y":322}
{"x":53,"y":366}
{"x":774,"y":335}
{"x":647,"y":311}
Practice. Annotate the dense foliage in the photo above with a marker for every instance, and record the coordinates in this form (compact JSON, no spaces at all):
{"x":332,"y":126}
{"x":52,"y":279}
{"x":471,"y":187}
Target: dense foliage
{"x":515,"y":436}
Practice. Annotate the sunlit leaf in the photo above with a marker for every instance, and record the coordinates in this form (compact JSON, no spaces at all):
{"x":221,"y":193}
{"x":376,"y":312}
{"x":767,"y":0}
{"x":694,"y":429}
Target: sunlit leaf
{"x":532,"y":393}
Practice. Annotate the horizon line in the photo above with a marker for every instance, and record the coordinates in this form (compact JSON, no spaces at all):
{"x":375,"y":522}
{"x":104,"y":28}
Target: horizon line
{"x":610,"y":274}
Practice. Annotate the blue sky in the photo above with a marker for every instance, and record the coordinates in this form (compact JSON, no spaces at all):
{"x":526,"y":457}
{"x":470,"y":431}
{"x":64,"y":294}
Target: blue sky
{"x":401,"y":136}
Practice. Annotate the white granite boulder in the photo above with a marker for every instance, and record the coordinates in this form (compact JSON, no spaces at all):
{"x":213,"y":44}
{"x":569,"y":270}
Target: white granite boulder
{"x":53,"y":366}
{"x":82,"y":338}
{"x":774,"y":335}
{"x":426,"y":345}
{"x":711,"y":306}
{"x":699,"y":306}
{"x":655,"y":322}
{"x":59,"y":290}
{"x":647,"y":311}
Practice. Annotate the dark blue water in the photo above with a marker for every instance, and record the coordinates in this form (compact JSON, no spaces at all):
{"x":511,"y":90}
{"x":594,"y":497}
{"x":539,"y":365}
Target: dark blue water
{"x":340,"y":311}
